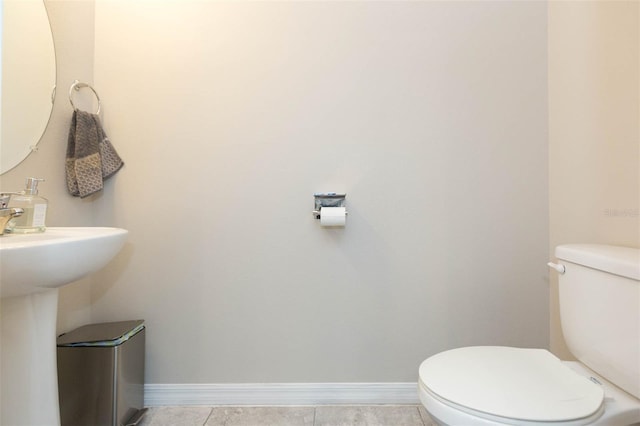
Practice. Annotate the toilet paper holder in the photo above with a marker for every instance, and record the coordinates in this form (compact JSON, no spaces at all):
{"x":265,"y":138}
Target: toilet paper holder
{"x":327,"y":199}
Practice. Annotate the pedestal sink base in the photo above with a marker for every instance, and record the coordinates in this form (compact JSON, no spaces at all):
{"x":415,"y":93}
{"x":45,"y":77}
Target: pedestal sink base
{"x":28,"y":360}
{"x":32,"y":267}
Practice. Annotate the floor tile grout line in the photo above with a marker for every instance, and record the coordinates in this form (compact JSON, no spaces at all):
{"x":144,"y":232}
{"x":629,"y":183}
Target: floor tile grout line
{"x":420,"y":416}
{"x":208,"y":417}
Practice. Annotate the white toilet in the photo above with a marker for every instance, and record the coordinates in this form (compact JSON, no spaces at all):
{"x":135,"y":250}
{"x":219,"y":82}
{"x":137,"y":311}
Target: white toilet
{"x":600,"y":315}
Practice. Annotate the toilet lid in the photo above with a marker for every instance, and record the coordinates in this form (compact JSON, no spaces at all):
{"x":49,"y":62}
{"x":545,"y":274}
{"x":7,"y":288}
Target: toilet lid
{"x":522,"y":384}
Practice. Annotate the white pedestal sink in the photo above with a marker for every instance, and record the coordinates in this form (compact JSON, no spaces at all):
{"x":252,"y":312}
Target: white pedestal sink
{"x":32,"y":267}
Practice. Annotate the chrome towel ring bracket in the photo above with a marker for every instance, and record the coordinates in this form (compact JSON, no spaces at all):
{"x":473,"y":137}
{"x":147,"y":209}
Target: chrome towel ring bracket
{"x":77,"y":85}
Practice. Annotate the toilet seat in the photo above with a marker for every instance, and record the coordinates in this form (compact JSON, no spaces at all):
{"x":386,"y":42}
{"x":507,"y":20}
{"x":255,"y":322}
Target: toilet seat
{"x":510,"y":385}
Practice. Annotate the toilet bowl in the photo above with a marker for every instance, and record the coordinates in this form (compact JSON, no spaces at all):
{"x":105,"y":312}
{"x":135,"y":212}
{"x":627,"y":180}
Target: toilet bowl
{"x":600,"y":317}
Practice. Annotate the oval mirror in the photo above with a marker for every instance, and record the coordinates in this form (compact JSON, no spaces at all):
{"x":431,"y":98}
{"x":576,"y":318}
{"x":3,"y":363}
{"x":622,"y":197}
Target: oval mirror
{"x":28,"y":80}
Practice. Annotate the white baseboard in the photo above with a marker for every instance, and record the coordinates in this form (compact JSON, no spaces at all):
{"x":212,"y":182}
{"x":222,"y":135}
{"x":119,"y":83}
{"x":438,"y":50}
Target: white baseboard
{"x":280,"y":394}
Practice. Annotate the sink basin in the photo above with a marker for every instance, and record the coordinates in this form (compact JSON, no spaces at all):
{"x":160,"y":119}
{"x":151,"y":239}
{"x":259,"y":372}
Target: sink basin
{"x":32,"y":267}
{"x":31,"y":263}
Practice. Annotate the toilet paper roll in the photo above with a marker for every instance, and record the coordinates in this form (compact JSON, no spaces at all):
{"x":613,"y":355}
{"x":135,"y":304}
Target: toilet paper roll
{"x":333,"y":216}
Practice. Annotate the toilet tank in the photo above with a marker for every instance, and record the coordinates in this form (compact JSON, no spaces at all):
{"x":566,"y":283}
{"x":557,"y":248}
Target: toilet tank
{"x":600,"y":310}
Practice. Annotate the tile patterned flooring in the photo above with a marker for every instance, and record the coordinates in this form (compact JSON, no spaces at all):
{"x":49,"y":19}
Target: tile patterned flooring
{"x":322,"y":415}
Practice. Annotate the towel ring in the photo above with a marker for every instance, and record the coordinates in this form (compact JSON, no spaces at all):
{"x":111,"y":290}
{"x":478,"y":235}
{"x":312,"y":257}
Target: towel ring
{"x":77,"y":85}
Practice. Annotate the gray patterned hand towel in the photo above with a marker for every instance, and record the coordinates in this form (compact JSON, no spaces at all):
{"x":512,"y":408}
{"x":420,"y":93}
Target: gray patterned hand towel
{"x":90,"y":156}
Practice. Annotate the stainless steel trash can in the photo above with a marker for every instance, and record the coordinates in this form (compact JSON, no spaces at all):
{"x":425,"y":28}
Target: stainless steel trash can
{"x":101,"y":374}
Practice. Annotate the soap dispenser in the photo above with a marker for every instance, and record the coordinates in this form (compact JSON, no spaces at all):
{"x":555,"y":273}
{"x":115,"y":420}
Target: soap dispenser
{"x":34,"y":206}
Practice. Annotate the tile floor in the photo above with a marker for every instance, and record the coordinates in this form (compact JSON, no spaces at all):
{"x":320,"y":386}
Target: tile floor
{"x":323,"y":415}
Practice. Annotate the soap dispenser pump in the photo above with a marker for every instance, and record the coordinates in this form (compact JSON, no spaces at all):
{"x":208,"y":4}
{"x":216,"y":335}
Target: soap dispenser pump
{"x":34,"y":206}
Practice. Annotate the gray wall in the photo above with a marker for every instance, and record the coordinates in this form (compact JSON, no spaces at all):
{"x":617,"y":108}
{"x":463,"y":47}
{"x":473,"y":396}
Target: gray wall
{"x":431,"y":116}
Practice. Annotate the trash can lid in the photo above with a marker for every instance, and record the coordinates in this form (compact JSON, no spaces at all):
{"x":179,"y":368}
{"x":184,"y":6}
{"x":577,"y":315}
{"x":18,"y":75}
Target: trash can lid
{"x":104,"y":334}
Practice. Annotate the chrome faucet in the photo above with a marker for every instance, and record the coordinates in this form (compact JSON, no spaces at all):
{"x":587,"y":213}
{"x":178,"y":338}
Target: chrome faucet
{"x":6,"y":213}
